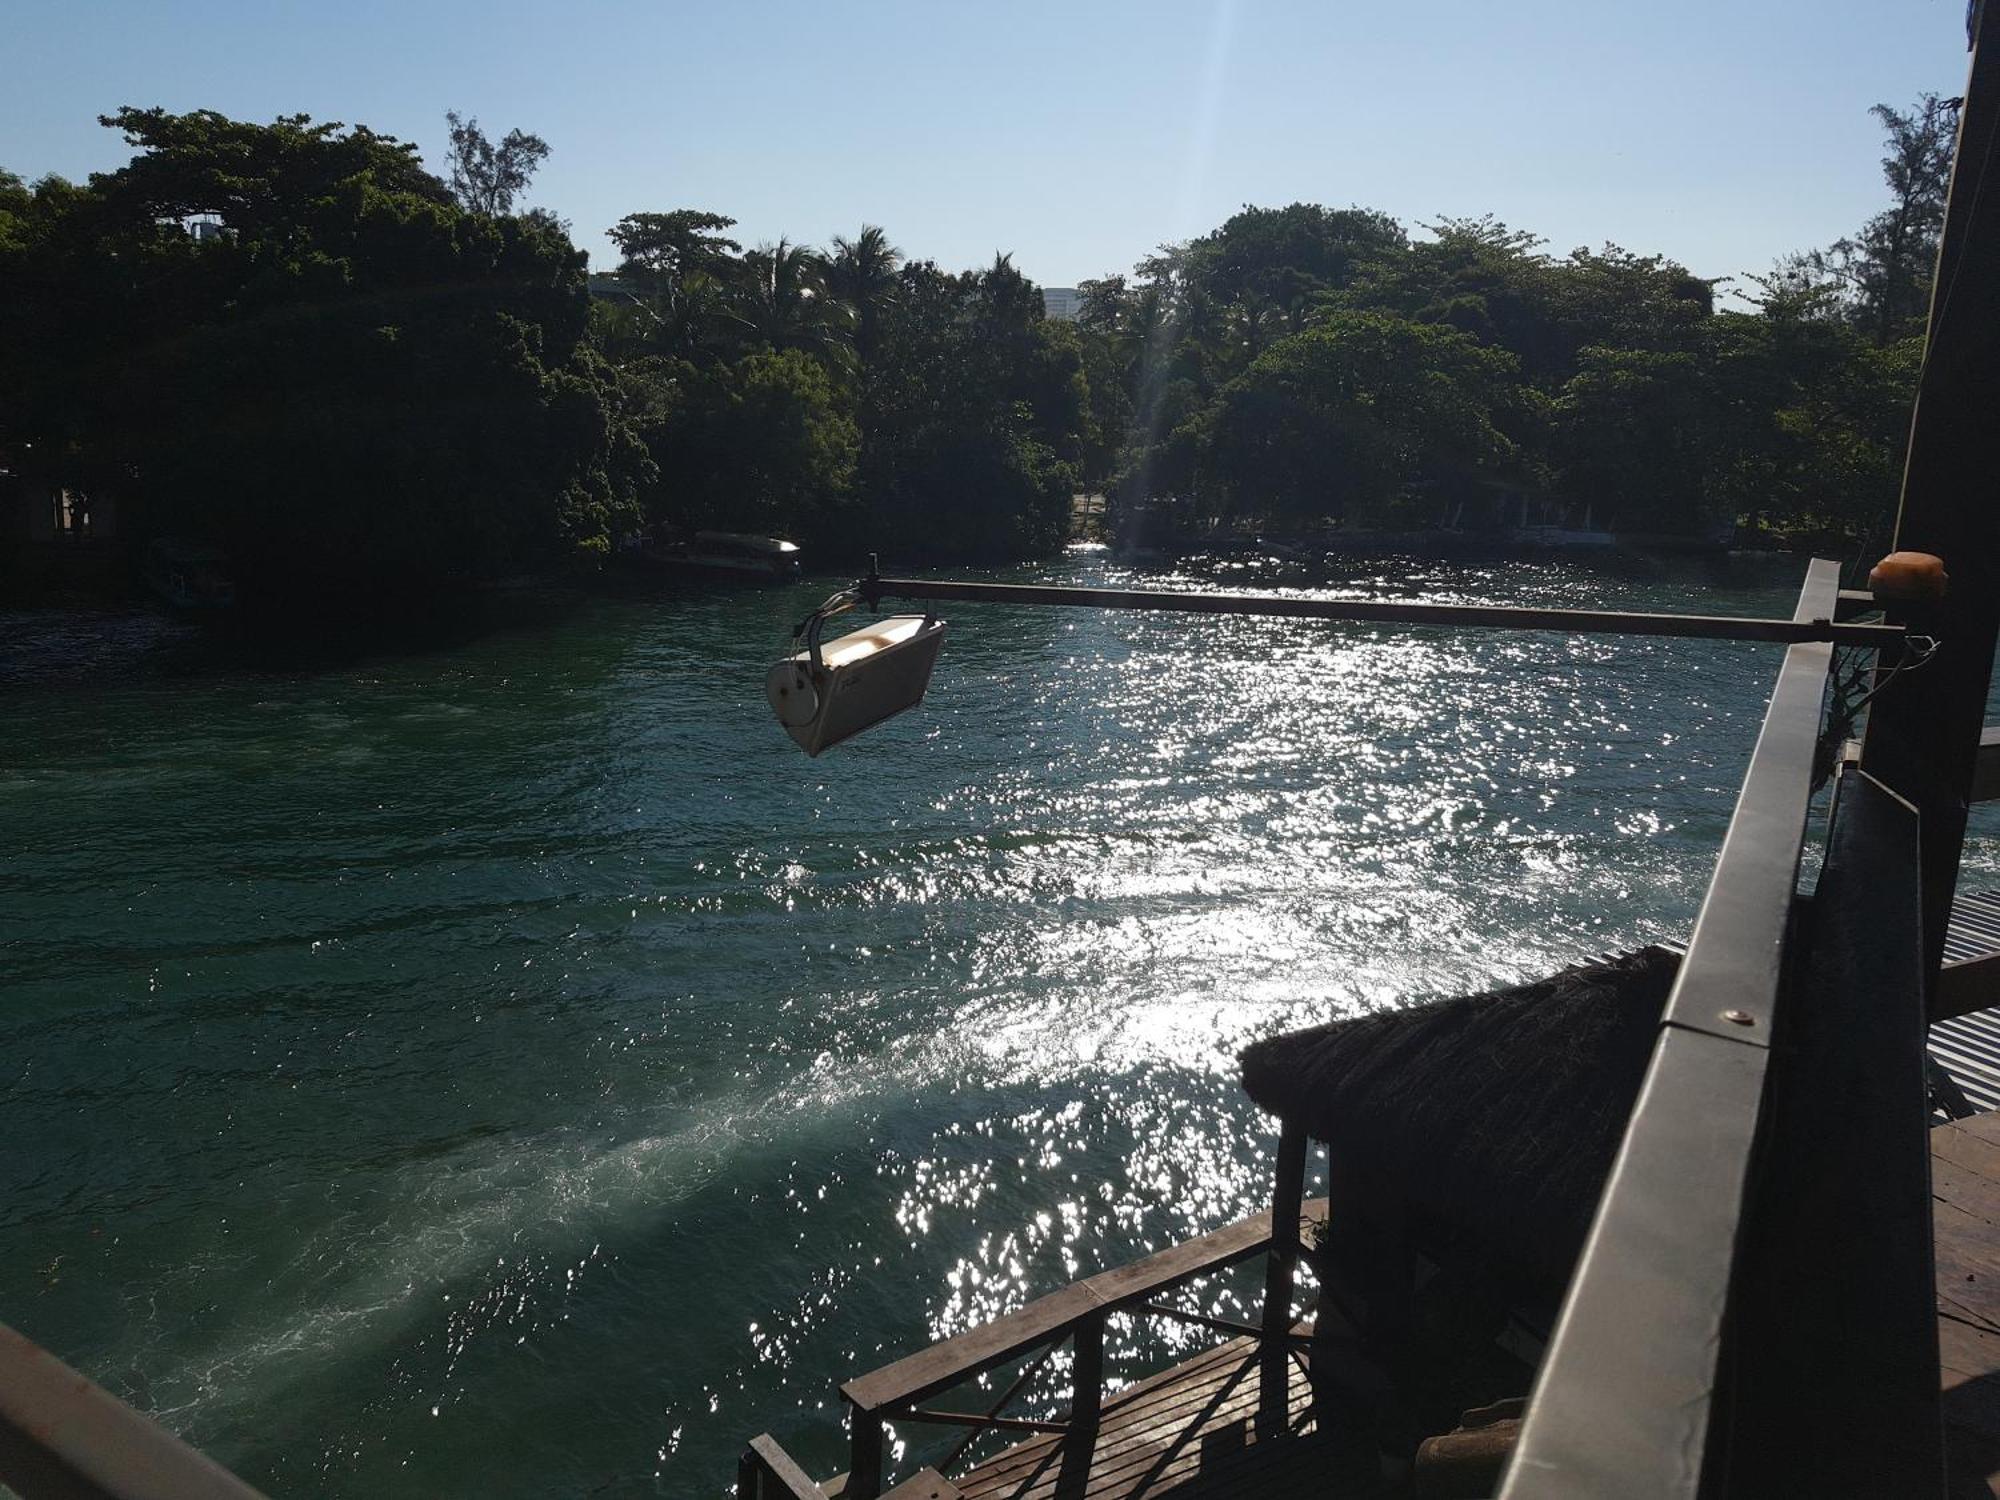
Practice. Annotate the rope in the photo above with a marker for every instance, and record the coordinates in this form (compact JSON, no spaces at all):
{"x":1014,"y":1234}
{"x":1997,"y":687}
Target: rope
{"x":1840,"y":719}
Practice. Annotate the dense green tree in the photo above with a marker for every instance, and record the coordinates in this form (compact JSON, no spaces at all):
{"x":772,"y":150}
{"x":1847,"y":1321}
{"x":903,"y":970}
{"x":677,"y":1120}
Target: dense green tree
{"x":767,"y":443}
{"x":364,"y":372}
{"x":354,"y":384}
{"x":676,"y":247}
{"x":1341,"y":420}
{"x":849,"y":400}
{"x":1633,"y":433}
{"x":1622,"y":392}
{"x":971,"y":413}
{"x":1268,"y":266}
{"x":688,"y":277}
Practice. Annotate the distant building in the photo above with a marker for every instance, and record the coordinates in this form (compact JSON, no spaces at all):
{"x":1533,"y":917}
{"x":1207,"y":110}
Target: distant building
{"x":1064,"y":302}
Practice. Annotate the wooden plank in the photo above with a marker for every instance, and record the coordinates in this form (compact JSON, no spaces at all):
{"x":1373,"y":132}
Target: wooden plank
{"x":1969,"y":1358}
{"x":1087,"y":1398}
{"x":1127,"y":1286}
{"x":1229,"y":1455}
{"x":1046,"y":1319}
{"x":1968,"y":1258}
{"x":1985,"y":1126}
{"x":1195,"y":1424}
{"x":945,"y":1364}
{"x":1971,"y":1150}
{"x":1965,"y":1187}
{"x":1968,"y":1353}
{"x":1177,"y":1402}
{"x":1183,"y":1406}
{"x":925,"y":1484}
{"x":1120,"y":1430}
{"x":768,"y":1472}
{"x":864,"y":1455}
{"x":1160,"y":1396}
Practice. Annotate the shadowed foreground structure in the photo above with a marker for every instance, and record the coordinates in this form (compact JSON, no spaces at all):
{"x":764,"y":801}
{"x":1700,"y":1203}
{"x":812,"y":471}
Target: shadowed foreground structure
{"x":1491,"y":1120}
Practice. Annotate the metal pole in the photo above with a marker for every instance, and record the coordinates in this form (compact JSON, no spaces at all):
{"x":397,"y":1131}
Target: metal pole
{"x":1923,"y":733}
{"x":1370,"y":611}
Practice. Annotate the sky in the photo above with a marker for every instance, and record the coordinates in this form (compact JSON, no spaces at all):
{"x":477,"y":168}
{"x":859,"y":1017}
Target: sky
{"x":1077,"y":136}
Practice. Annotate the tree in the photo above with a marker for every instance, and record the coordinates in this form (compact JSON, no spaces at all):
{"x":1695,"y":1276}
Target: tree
{"x":971,"y":413}
{"x":765,"y":444}
{"x":360,"y":386}
{"x":1269,"y":265}
{"x":784,"y":300}
{"x":1880,"y":277}
{"x":675,"y":247}
{"x":1343,"y":419}
{"x":861,"y":272}
{"x":485,"y":178}
{"x":685,"y":269}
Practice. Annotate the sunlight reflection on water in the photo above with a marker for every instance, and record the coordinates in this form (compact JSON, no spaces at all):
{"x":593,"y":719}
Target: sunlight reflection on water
{"x":511,"y":1069}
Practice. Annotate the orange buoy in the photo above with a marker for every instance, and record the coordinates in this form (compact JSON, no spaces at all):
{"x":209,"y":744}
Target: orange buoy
{"x":1909,"y":576}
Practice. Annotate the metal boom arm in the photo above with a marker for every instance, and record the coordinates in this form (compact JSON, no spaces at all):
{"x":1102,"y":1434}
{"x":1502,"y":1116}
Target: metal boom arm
{"x":874,"y":589}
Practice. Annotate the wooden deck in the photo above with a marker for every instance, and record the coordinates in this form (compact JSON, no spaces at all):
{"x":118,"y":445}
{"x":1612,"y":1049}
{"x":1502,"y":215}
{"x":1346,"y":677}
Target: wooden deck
{"x":1193,"y":1431}
{"x":1965,"y":1192}
{"x":1190,"y":1432}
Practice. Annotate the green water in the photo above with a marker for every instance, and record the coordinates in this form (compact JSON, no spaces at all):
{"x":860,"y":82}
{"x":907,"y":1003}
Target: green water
{"x":508,"y":1068}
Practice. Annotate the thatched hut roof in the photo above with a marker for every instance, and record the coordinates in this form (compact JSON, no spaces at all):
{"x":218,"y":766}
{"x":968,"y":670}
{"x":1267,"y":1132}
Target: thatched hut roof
{"x":1494,"y":1117}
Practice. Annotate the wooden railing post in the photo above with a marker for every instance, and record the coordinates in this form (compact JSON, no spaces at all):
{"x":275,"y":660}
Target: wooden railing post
{"x":1088,"y":1400}
{"x":1287,"y":1195}
{"x":864,"y":1461}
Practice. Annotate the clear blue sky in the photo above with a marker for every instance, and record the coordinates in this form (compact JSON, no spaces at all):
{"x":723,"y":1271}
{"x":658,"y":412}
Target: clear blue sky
{"x":1076,"y":136}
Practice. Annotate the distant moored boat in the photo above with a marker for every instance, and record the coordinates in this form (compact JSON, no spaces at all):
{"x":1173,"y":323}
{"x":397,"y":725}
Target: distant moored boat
{"x":728,"y":554}
{"x":188,"y":576}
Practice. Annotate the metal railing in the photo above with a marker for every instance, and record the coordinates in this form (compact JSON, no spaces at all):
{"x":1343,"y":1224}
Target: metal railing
{"x":1637,"y":1393}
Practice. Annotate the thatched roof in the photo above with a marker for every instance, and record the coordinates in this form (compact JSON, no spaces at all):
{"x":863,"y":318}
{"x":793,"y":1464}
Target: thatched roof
{"x":1495,"y":1117}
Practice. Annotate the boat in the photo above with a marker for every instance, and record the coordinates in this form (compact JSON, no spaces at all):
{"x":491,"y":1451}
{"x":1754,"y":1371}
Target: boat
{"x":725,"y":554}
{"x":188,"y":575}
{"x":1562,"y":538}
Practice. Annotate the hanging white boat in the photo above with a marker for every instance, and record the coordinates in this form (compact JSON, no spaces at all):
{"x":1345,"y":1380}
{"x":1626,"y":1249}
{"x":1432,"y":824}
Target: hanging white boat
{"x":828,"y":691}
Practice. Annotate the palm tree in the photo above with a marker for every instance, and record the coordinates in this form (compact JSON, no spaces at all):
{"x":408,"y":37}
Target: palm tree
{"x":784,"y":296}
{"x":862,"y":274}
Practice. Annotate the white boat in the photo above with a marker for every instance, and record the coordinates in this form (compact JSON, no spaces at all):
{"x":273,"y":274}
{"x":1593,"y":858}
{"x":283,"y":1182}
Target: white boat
{"x":824,"y":693}
{"x":729,"y":554}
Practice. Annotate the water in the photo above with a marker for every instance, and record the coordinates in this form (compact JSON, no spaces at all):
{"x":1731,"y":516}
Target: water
{"x":508,"y":1068}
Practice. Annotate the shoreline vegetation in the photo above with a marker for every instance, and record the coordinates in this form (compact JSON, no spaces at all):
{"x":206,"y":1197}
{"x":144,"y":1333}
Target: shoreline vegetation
{"x":370,"y":384}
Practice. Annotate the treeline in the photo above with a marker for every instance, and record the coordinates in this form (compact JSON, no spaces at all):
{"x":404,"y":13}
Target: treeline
{"x":1309,"y":365}
{"x":297,"y":342}
{"x":353,"y":383}
{"x":852,"y":398}
{"x":294,"y":341}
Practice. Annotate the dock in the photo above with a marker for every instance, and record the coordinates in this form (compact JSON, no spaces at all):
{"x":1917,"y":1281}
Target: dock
{"x":1203,"y":1430}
